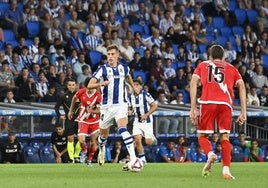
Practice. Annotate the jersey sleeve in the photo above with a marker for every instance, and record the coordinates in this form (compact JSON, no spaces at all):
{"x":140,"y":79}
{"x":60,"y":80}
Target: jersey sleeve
{"x":98,"y":73}
{"x":149,"y":98}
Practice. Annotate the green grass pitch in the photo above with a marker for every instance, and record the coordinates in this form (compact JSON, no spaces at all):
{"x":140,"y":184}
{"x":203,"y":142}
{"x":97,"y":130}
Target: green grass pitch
{"x":154,"y":175}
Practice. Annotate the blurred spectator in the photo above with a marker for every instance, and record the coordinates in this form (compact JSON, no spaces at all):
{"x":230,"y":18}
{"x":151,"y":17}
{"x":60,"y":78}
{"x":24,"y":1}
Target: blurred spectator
{"x":124,"y":28}
{"x":214,"y":139}
{"x":15,"y":20}
{"x":179,"y":82}
{"x":126,"y":51}
{"x":35,"y":71}
{"x":41,"y":85}
{"x":249,"y":35}
{"x":178,"y":98}
{"x":169,"y":72}
{"x":115,"y":39}
{"x":198,"y":155}
{"x":51,"y":94}
{"x":16,"y":65}
{"x":44,"y":65}
{"x":37,"y":58}
{"x":118,"y":153}
{"x":59,"y":145}
{"x":24,"y":57}
{"x":61,"y":84}
{"x":34,"y":48}
{"x":254,"y":153}
{"x":155,"y":38}
{"x":76,"y":42}
{"x":22,"y":77}
{"x":241,"y":141}
{"x":193,"y":53}
{"x":11,"y":149}
{"x":17,"y":49}
{"x":229,"y":52}
{"x":252,"y":97}
{"x":166,"y":124}
{"x":135,"y":64}
{"x":54,"y":32}
{"x":6,"y":79}
{"x":77,"y":67}
{"x":91,"y":41}
{"x":168,"y":153}
{"x":263,"y":96}
{"x":102,"y":48}
{"x":157,"y":71}
{"x":86,"y":73}
{"x":45,"y":24}
{"x":184,"y":153}
{"x":165,"y":23}
{"x":259,"y":80}
{"x":28,"y":91}
{"x":218,"y":151}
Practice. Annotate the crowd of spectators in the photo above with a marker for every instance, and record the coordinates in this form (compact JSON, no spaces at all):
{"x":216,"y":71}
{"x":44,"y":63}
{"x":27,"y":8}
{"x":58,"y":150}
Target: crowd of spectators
{"x":163,"y":39}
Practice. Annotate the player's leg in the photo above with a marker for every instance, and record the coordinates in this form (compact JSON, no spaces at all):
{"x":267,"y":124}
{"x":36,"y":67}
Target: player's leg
{"x":224,"y":120}
{"x":93,"y":130}
{"x":102,"y":140}
{"x":139,"y":147}
{"x":82,"y":133}
{"x":69,"y":129}
{"x":77,"y":150}
{"x":205,"y":127}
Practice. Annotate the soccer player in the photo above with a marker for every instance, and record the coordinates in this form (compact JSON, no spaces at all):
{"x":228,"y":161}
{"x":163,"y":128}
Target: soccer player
{"x":143,"y":105}
{"x":111,"y":78}
{"x":217,"y":78}
{"x":59,"y":144}
{"x":11,"y":149}
{"x":88,"y":120}
{"x":70,"y":125}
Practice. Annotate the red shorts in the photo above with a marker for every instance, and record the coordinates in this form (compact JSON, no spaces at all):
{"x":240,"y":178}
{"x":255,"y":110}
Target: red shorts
{"x":85,"y":129}
{"x":214,"y":114}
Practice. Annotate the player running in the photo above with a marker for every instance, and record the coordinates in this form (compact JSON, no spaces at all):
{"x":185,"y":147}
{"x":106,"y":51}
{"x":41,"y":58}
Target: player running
{"x":218,"y":79}
{"x":88,"y":120}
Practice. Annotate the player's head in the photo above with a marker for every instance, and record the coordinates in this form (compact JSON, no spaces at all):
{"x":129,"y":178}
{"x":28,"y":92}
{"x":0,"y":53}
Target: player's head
{"x":112,"y":54}
{"x":71,"y":85}
{"x":137,"y":83}
{"x":216,"y":52}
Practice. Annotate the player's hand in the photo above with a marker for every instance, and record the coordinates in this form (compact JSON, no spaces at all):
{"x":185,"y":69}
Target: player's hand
{"x":144,"y":117}
{"x":193,"y":116}
{"x":70,"y":115}
{"x":62,"y":117}
{"x":105,"y":83}
{"x":241,"y":119}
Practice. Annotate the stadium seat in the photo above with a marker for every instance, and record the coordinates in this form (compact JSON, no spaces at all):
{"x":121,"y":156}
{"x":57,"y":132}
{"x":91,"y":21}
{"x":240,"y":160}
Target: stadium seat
{"x":143,"y":75}
{"x":8,"y":35}
{"x":241,"y":16}
{"x":31,"y":155}
{"x":264,"y":58}
{"x":23,"y":144}
{"x":102,"y":27}
{"x":237,"y":30}
{"x":218,"y":22}
{"x":252,"y":16}
{"x":28,"y":42}
{"x":36,"y":144}
{"x":233,"y":5}
{"x":225,"y":31}
{"x":118,"y":17}
{"x":3,"y":8}
{"x":137,"y":27}
{"x":95,"y":57}
{"x":2,"y":45}
{"x":33,"y":28}
{"x":238,"y":154}
{"x":174,"y":65}
{"x":202,"y":48}
{"x":210,"y":38}
{"x":46,"y":154}
{"x":221,"y":40}
{"x":175,"y":49}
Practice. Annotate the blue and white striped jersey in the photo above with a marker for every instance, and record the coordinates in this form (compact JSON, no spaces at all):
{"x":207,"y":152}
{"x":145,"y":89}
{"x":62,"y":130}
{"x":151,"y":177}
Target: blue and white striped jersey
{"x":115,"y":92}
{"x":141,"y":105}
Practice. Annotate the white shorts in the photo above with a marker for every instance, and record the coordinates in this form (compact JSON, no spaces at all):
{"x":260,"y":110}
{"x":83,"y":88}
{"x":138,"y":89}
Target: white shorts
{"x":144,"y":129}
{"x":109,"y":113}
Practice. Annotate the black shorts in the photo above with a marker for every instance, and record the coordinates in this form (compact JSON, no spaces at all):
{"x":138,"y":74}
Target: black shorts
{"x":71,"y":127}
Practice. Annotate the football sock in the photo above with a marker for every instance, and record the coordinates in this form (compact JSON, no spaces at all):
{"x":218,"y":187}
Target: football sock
{"x":205,"y":144}
{"x":70,"y":149}
{"x":142,"y":157}
{"x":226,"y":170}
{"x":226,"y":153}
{"x":77,"y":150}
{"x":83,"y":147}
{"x":128,"y":140}
{"x":90,"y":154}
{"x":102,"y":141}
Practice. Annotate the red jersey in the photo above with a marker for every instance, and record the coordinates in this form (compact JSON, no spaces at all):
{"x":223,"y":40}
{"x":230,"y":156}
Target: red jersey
{"x":218,"y":79}
{"x":88,"y":100}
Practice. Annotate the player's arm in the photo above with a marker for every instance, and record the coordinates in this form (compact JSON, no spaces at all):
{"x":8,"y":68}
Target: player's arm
{"x":94,"y":84}
{"x":242,"y":96}
{"x":193,"y":93}
{"x":153,"y":107}
{"x":130,"y":81}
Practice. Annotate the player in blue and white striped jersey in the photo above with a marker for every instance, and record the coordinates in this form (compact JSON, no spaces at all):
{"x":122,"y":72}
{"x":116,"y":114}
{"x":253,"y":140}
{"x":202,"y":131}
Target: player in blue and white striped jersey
{"x":142,"y":104}
{"x":112,"y":78}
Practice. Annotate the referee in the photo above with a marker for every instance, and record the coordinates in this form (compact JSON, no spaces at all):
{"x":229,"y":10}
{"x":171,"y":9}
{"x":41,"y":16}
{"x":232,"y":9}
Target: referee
{"x":70,"y":125}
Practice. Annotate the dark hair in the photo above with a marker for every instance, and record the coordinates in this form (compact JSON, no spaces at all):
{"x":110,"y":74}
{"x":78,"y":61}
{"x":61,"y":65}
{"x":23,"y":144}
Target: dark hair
{"x":137,"y":81}
{"x":216,"y":52}
{"x":87,"y":81}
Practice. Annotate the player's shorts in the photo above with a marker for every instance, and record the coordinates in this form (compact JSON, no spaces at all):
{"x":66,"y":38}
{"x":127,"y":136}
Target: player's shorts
{"x":211,"y":114}
{"x":87,"y":129}
{"x":144,"y":129}
{"x":70,"y":127}
{"x":109,"y":113}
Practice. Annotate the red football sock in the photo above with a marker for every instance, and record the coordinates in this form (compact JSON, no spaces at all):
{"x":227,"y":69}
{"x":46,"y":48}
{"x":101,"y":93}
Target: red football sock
{"x":83,"y":147}
{"x":90,"y":153}
{"x":205,"y":144}
{"x":226,"y":153}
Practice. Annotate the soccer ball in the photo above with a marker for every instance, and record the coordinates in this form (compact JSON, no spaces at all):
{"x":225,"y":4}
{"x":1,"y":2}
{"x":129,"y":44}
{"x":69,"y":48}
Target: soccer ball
{"x":137,"y":166}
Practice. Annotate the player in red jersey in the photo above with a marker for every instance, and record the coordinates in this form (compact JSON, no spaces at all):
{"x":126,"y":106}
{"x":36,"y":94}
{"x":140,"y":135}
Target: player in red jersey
{"x":217,"y":79}
{"x":88,"y":120}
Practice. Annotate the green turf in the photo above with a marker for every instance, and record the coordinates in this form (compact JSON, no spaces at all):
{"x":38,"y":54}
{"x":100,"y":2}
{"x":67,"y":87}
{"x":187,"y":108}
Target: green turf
{"x":154,"y":175}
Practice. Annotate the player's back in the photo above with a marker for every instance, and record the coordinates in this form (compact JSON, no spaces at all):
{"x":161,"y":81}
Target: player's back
{"x":218,"y":79}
